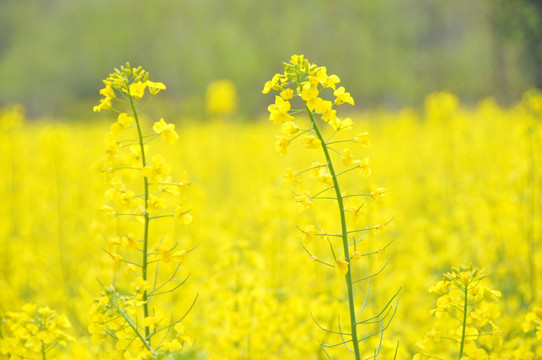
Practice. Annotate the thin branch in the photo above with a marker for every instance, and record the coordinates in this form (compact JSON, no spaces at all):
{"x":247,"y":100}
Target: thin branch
{"x":389,"y":302}
{"x":370,"y":227}
{"x":325,"y":351}
{"x":154,"y":293}
{"x":365,"y":301}
{"x":314,"y":257}
{"x":373,"y":275}
{"x":182,"y":317}
{"x":324,"y":329}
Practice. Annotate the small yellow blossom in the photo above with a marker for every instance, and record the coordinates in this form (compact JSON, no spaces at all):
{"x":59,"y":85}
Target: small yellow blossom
{"x":309,"y":92}
{"x":105,"y":103}
{"x":363,"y":166}
{"x":157,"y":170}
{"x":112,"y":244}
{"x":342,"y":97}
{"x":304,"y":202}
{"x":282,"y":145}
{"x":324,"y":176}
{"x":141,"y":285}
{"x":133,"y":157}
{"x":341,"y":124}
{"x":379,"y":228}
{"x":155,"y":204}
{"x":179,"y":255}
{"x":165,"y":254}
{"x":287,"y":94}
{"x":137,"y":89}
{"x":107,"y":211}
{"x":291,"y":176}
{"x":347,"y":157}
{"x":125,"y":120}
{"x":308,"y":233}
{"x":440,"y":288}
{"x":117,"y":260}
{"x":311,"y":142}
{"x":167,"y":131}
{"x":129,"y":241}
{"x":356,"y":214}
{"x":320,"y":106}
{"x":378,"y":193}
{"x":289,"y":128}
{"x":363,"y":139}
{"x":155,"y":87}
{"x":182,"y":215}
{"x":325,"y":80}
{"x":329,"y":115}
{"x":433,"y":336}
{"x":111,"y":146}
{"x":279,"y":111}
{"x":341,"y":267}
{"x":272,"y":85}
{"x":356,"y":255}
{"x":108,"y":91}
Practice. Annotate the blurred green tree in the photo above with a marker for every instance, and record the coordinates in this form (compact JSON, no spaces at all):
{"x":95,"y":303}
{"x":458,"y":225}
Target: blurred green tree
{"x":391,"y":53}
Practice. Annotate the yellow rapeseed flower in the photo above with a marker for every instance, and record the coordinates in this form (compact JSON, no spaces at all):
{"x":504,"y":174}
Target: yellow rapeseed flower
{"x":311,"y":142}
{"x":155,"y":87}
{"x":342,"y":97}
{"x":363,"y":139}
{"x":182,"y":215}
{"x":341,"y":267}
{"x":308,"y":233}
{"x":278,"y":112}
{"x":304,"y":202}
{"x":157,"y":170}
{"x":137,"y":89}
{"x":167,"y":131}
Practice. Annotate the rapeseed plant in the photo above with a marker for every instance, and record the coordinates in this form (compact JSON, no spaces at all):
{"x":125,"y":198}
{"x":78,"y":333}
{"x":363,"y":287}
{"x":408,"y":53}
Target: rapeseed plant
{"x":32,"y":333}
{"x":466,"y":313}
{"x":127,"y":311}
{"x":308,"y":82}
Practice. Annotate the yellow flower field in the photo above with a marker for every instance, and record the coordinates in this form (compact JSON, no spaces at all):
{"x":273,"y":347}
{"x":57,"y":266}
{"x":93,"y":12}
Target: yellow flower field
{"x":461,"y":186}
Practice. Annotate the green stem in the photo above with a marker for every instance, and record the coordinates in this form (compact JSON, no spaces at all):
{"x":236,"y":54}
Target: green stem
{"x":144,"y":340}
{"x":144,"y":263}
{"x":43,"y":350}
{"x":348,"y":276}
{"x":464,"y":330}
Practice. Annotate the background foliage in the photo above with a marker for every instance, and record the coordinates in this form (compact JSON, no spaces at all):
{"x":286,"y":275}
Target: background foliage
{"x":54,"y":53}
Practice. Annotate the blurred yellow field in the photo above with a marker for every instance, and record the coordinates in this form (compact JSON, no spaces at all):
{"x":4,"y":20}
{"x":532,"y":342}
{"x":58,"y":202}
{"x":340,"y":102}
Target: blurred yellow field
{"x":462,"y":186}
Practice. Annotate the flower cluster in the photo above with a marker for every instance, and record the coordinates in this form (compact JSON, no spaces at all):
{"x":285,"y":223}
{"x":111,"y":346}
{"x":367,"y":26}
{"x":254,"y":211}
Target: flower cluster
{"x":34,"y":331}
{"x":113,"y":315}
{"x":141,"y":190}
{"x":466,"y":312}
{"x":306,"y":81}
{"x":131,"y":82}
{"x":309,"y":83}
